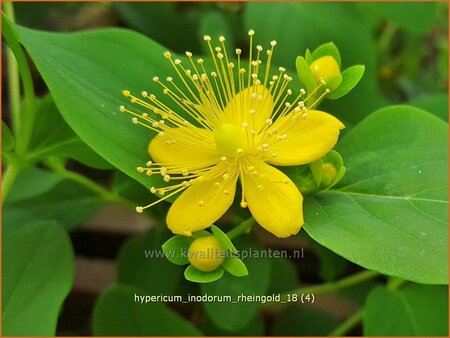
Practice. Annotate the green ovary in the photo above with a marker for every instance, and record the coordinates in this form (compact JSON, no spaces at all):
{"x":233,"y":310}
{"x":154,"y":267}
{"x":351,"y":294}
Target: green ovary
{"x":231,"y":140}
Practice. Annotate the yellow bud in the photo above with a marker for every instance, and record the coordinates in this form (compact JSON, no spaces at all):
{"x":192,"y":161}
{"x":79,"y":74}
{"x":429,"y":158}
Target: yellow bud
{"x":325,"y":68}
{"x":329,"y":174}
{"x":206,"y":253}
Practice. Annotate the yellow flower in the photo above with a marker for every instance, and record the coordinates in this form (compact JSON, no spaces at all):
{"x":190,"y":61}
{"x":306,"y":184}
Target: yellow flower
{"x":232,"y":124}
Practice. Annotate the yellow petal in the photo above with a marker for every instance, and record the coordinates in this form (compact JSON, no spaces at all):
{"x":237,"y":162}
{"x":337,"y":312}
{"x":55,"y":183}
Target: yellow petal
{"x":204,"y":202}
{"x":308,"y":138}
{"x":238,"y":109}
{"x":209,"y":110}
{"x":183,"y":146}
{"x":274,"y":201}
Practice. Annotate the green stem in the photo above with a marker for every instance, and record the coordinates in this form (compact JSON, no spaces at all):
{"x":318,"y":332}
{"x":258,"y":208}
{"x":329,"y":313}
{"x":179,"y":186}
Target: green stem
{"x":27,"y":121}
{"x":384,"y":41}
{"x":8,"y":178}
{"x":330,"y":286}
{"x":13,"y":77}
{"x":394,"y":283}
{"x":245,"y":226}
{"x":347,"y":325}
{"x":104,"y":193}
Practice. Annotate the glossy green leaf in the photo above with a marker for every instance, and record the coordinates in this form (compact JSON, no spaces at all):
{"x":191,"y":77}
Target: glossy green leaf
{"x":305,"y":74}
{"x":67,"y":202}
{"x":194,"y":275}
{"x":235,"y":266}
{"x":223,"y":238}
{"x":303,"y":321}
{"x":419,"y":310}
{"x":86,"y":87}
{"x":327,"y":49}
{"x":37,"y":275}
{"x":142,"y":263}
{"x":175,"y":249}
{"x":235,"y":316}
{"x":389,"y":212}
{"x":52,"y":136}
{"x":7,"y":138}
{"x":350,"y":78}
{"x":118,"y":313}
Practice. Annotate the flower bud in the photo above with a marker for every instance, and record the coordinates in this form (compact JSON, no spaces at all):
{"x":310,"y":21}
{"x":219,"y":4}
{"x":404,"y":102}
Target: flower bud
{"x":326,"y":68}
{"x":329,"y":174}
{"x":206,"y":253}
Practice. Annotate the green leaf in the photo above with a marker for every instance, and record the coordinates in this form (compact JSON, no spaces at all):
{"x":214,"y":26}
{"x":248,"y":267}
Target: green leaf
{"x":389,"y":212}
{"x":7,"y":138}
{"x":142,"y":263}
{"x":419,"y":310}
{"x":175,"y":249}
{"x":117,"y":313}
{"x":67,"y":202}
{"x":32,"y":182}
{"x":52,"y":136}
{"x":194,"y":275}
{"x":37,"y":275}
{"x":415,"y":18}
{"x":235,"y":266}
{"x":229,"y":316}
{"x":327,"y":49}
{"x":303,"y":321}
{"x":350,"y":78}
{"x":436,"y":104}
{"x":305,"y":74}
{"x":86,"y":88}
{"x":223,"y":238}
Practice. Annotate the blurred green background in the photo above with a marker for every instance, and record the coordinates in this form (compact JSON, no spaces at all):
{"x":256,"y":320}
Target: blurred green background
{"x":404,"y":47}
